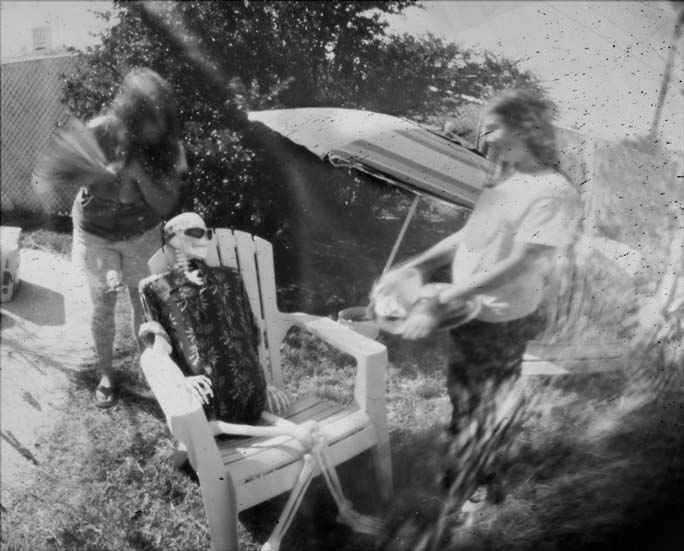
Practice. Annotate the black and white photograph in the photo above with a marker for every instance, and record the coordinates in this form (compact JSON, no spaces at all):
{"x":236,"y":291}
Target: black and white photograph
{"x":307,"y":275}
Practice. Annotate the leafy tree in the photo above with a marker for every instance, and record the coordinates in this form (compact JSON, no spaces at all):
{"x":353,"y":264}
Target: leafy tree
{"x":426,"y":78}
{"x":224,"y":58}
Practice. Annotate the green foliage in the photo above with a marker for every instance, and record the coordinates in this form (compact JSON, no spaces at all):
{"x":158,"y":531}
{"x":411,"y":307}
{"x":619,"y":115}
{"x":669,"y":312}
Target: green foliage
{"x":225,"y":58}
{"x":589,"y":471}
{"x":424,"y":78}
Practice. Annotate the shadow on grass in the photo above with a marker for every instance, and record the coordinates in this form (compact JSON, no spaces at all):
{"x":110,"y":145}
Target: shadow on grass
{"x":569,"y":485}
{"x":132,"y":391}
{"x":623,"y":489}
{"x":106,"y":481}
{"x":314,"y":525}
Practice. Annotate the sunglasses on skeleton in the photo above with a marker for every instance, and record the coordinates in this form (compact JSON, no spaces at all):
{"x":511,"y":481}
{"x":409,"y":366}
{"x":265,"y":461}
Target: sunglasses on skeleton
{"x":196,"y":233}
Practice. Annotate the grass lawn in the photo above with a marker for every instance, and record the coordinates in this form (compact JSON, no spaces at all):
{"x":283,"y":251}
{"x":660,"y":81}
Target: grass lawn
{"x":588,"y":475}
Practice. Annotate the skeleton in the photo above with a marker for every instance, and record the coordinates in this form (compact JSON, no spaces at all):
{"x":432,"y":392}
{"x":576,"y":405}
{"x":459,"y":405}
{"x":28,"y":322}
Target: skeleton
{"x":189,"y":238}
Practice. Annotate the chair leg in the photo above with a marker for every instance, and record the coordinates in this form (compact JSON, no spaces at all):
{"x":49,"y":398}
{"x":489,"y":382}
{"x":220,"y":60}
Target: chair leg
{"x":180,"y":455}
{"x":222,"y":514}
{"x":382,"y":463}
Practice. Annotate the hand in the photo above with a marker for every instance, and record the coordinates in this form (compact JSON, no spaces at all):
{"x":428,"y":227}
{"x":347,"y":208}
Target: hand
{"x":308,"y":433}
{"x":200,"y":386}
{"x":493,"y":304}
{"x":404,"y":283}
{"x":136,"y":171}
{"x":422,"y":320}
{"x":152,"y":334}
{"x":115,"y":167}
{"x":276,"y":399}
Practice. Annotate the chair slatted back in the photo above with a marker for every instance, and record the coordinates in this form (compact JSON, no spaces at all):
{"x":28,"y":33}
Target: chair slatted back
{"x":269,"y":306}
{"x":240,"y":245}
{"x":253,"y":258}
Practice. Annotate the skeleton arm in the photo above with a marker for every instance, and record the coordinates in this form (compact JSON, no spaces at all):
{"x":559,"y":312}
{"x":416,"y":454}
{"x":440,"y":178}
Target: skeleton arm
{"x":200,"y":386}
{"x":307,"y":433}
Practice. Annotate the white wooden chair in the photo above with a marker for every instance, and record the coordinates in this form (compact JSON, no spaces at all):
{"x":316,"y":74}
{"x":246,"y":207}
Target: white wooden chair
{"x":239,"y":473}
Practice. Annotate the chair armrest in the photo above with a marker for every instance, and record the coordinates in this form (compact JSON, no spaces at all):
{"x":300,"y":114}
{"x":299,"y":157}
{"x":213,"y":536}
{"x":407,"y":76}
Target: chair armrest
{"x":340,"y":336}
{"x":371,"y":356}
{"x":183,"y":411}
{"x":168,"y":384}
{"x":188,"y":423}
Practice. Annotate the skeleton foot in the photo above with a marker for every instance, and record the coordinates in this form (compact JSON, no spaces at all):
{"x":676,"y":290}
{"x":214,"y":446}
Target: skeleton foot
{"x":362,"y":524}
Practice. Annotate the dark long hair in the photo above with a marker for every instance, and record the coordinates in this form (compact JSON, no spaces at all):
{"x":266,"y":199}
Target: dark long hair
{"x":532,"y":118}
{"x":145,"y":96}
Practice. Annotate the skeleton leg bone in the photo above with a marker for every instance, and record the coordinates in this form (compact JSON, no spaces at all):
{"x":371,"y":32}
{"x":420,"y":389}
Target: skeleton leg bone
{"x":293,"y":502}
{"x":363,"y":524}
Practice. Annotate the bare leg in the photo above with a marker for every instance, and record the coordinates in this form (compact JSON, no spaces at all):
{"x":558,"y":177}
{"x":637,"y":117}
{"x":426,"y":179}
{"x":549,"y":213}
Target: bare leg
{"x":137,"y":320}
{"x":138,"y":316}
{"x":102,"y":326}
{"x":295,"y":499}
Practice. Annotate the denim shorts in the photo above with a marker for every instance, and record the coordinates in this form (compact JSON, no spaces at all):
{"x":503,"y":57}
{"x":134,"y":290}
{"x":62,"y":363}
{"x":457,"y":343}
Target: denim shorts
{"x":99,"y":257}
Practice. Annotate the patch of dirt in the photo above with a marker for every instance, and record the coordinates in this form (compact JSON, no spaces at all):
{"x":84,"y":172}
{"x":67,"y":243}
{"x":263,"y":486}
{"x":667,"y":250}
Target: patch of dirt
{"x":44,"y":341}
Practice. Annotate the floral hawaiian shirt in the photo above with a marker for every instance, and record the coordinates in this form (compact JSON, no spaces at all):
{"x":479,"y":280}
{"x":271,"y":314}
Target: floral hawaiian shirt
{"x":213,"y":332}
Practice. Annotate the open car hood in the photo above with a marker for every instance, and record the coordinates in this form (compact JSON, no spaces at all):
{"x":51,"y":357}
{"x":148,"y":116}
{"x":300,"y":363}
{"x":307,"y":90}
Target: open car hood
{"x":396,"y":150}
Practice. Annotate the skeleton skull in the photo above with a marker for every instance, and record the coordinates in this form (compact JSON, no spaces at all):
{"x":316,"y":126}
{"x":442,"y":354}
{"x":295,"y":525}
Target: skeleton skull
{"x":187,"y":234}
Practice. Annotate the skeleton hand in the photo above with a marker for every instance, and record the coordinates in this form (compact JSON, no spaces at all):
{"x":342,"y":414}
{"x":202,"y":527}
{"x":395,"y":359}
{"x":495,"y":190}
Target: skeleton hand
{"x":276,"y":399}
{"x":200,"y":386}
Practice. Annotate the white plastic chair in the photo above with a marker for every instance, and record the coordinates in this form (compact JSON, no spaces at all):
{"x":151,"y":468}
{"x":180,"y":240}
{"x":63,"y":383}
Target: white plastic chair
{"x":237,"y":474}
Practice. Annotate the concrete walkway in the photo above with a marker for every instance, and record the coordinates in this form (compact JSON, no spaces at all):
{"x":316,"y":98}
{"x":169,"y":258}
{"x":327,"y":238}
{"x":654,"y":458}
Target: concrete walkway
{"x":45,"y":339}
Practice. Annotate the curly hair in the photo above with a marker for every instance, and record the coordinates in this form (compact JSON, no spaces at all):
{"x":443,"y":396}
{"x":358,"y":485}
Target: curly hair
{"x":532,"y":117}
{"x":144,"y":96}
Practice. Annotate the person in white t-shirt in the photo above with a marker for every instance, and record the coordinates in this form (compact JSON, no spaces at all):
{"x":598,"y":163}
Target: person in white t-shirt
{"x":521,"y":224}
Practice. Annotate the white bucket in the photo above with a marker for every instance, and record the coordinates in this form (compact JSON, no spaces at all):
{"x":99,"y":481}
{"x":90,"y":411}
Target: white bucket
{"x":356,"y":318}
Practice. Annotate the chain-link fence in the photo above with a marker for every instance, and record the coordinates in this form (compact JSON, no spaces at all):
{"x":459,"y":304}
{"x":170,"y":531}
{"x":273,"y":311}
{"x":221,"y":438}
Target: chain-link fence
{"x":31,"y":110}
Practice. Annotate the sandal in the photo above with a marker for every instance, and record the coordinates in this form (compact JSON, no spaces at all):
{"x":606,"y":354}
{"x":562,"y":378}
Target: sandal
{"x":105,"y":396}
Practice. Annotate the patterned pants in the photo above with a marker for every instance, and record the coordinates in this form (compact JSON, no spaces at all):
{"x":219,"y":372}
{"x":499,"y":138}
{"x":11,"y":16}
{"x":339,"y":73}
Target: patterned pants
{"x":485,"y":362}
{"x":96,"y":257}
